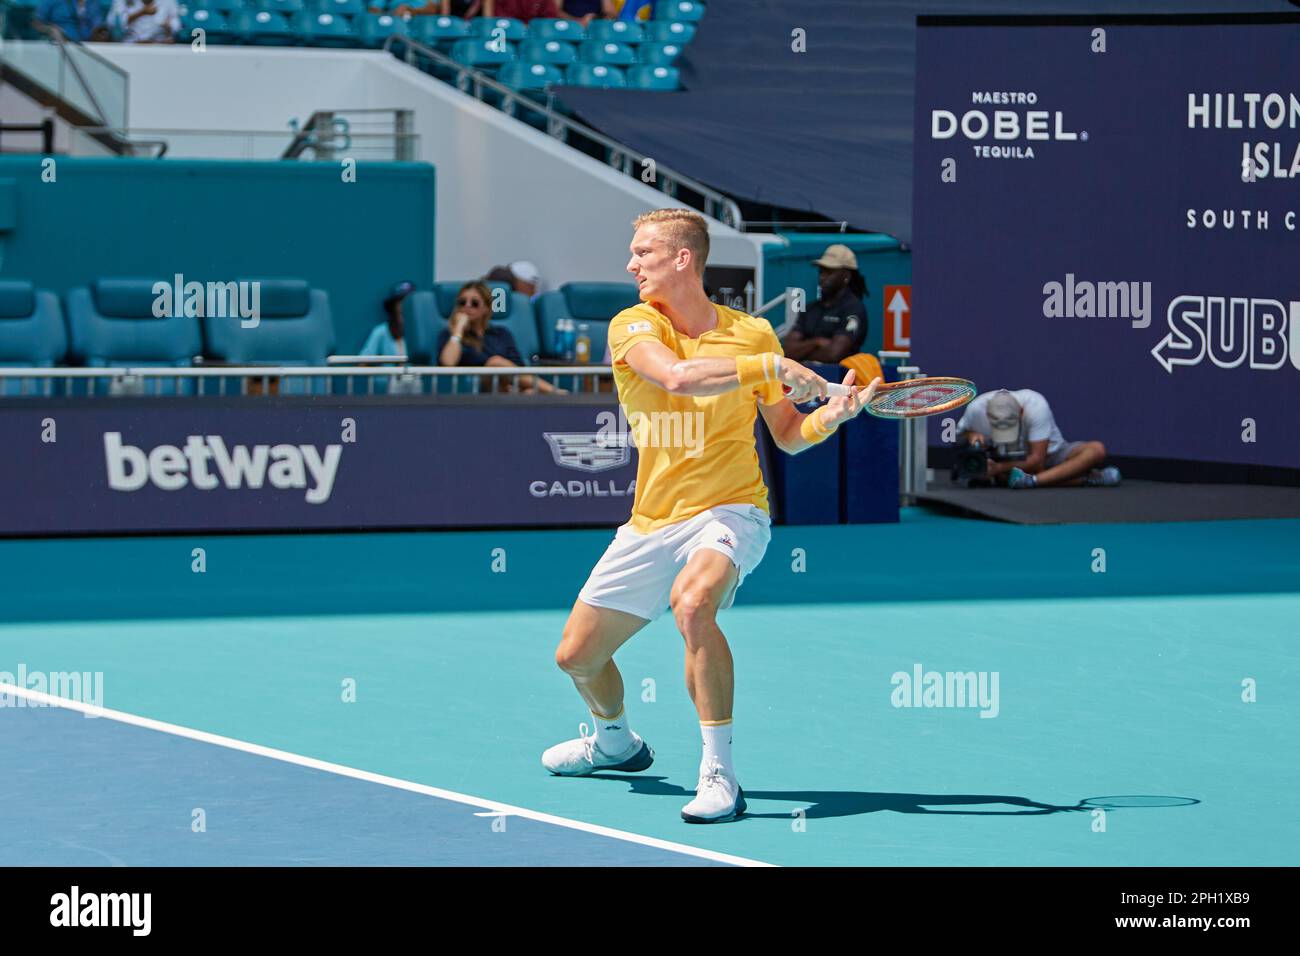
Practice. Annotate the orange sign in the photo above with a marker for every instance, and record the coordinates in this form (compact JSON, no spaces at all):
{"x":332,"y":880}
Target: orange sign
{"x":898,"y":318}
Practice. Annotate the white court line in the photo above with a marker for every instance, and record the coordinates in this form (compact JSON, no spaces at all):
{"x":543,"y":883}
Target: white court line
{"x":285,"y":756}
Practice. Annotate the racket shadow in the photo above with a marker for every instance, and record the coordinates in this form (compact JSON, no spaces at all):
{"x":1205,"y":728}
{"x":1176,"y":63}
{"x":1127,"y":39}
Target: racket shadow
{"x":828,"y":804}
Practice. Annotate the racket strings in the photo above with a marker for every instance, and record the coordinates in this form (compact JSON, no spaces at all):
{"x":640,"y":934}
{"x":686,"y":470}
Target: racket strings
{"x":918,"y":399}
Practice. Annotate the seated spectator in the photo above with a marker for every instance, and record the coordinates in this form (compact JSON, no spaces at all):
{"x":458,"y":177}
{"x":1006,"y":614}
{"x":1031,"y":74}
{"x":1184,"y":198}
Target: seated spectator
{"x":79,"y":20}
{"x":632,"y":9}
{"x":471,"y":340}
{"x":145,"y":21}
{"x":522,"y":276}
{"x":1020,"y":423}
{"x":526,"y":10}
{"x":387,"y":337}
{"x":585,"y":11}
{"x":465,"y":9}
{"x":833,"y":327}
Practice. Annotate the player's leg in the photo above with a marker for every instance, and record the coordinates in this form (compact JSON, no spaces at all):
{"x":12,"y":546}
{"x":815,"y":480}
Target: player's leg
{"x":698,"y":594}
{"x":1075,"y":467}
{"x":586,"y":653}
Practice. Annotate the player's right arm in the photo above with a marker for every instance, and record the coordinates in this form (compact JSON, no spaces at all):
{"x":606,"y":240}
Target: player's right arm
{"x":657,"y":363}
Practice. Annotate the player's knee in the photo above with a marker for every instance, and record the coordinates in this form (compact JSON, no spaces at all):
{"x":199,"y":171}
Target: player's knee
{"x":1099,"y":451}
{"x":694,"y":611}
{"x":574,"y":658}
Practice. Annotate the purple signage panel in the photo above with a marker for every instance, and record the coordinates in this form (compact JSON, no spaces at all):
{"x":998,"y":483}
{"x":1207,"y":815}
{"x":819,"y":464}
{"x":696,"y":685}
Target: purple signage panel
{"x":1110,"y":214}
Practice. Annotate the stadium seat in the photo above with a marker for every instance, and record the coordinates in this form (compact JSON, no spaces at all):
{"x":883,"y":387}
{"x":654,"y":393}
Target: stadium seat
{"x":440,"y":32}
{"x":211,"y":22}
{"x":616,"y":31}
{"x":286,"y":8}
{"x":31,"y":334}
{"x":659,"y":54}
{"x":482,"y":54}
{"x":670,"y":31}
{"x":530,"y":76}
{"x":263,"y":28}
{"x":294,"y":329}
{"x":653,"y":78}
{"x":224,"y":6}
{"x":511,"y":30}
{"x":548,"y":51}
{"x":592,"y":302}
{"x":689,"y":10}
{"x":616,"y":54}
{"x":545,"y":28}
{"x":374,"y":28}
{"x":113,"y":323}
{"x":340,"y":8}
{"x":324,"y":29}
{"x":595,"y":75}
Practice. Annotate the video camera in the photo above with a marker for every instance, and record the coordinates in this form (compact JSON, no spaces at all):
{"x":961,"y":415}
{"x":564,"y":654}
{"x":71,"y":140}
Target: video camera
{"x":971,"y":467}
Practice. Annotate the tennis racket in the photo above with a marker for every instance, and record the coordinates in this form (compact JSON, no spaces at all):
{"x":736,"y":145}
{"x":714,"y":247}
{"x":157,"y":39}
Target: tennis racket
{"x":914,"y":398}
{"x":1114,"y":803}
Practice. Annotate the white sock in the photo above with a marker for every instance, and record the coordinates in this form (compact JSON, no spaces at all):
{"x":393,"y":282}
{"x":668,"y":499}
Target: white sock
{"x":613,"y":735}
{"x":717,"y":743}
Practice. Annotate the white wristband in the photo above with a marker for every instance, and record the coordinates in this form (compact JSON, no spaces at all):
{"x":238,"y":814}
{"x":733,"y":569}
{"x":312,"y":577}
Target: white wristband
{"x":776,"y":364}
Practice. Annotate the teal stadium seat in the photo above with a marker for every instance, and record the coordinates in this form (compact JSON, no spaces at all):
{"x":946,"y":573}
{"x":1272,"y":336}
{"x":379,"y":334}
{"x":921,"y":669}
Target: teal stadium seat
{"x":507,"y":28}
{"x":482,"y":54}
{"x":616,"y":31}
{"x":592,"y":302}
{"x":18,"y":17}
{"x":545,"y":28}
{"x":597,"y":75}
{"x":615,"y":54}
{"x":324,"y":29}
{"x":658,"y":54}
{"x":653,"y":78}
{"x":212,"y":22}
{"x":555,"y":52}
{"x":688,"y":10}
{"x":669,"y":31}
{"x":340,"y":8}
{"x":530,"y":76}
{"x":374,"y":28}
{"x":224,"y":6}
{"x":263,"y":28}
{"x":287,"y":8}
{"x":113,"y":323}
{"x":31,"y":335}
{"x":439,"y":32}
{"x":295,"y":329}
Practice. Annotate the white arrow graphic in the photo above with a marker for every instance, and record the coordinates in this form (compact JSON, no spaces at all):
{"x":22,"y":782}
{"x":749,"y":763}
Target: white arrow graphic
{"x":897,"y":307}
{"x":1177,"y":341}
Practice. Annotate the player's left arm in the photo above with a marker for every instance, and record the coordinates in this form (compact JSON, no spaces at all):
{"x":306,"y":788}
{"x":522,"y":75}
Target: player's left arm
{"x":793,"y":431}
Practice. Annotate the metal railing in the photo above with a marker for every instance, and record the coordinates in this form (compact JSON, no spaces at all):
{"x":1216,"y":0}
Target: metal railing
{"x":622,"y":157}
{"x":390,"y":378}
{"x":912,"y":450}
{"x":331,"y":134}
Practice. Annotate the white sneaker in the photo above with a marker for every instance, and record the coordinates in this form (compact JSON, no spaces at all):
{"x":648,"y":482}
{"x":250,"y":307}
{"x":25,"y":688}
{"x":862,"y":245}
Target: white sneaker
{"x":718,"y":797}
{"x":577,"y":758}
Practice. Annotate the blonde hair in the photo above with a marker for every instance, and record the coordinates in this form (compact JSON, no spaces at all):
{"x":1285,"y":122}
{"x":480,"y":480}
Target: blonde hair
{"x":683,"y":229}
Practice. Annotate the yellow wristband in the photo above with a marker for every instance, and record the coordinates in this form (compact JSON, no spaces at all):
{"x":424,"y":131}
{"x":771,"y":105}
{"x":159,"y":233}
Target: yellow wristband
{"x":753,"y":369}
{"x":812,"y":429}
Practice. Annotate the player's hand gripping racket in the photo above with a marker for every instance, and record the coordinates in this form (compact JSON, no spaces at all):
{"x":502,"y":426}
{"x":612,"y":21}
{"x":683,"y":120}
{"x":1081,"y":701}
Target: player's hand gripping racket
{"x":914,"y":398}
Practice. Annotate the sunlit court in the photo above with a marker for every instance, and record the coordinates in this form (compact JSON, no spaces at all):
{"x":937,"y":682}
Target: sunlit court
{"x":649,"y":433}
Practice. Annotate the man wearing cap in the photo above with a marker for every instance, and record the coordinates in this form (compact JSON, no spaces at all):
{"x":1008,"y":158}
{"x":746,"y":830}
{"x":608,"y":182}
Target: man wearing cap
{"x":388,"y":337}
{"x":1022,"y":420}
{"x":834,"y":326}
{"x":527,"y":278}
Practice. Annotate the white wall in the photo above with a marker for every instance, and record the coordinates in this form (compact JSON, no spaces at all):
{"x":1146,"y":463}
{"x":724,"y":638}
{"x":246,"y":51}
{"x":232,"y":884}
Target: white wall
{"x":505,"y":190}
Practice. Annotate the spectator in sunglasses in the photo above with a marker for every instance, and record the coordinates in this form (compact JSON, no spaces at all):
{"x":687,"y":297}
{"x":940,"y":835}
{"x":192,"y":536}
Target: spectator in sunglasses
{"x":471,"y":340}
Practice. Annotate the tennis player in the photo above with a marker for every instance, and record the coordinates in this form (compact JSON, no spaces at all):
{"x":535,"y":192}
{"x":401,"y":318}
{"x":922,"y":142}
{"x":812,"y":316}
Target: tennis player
{"x":699,"y":521}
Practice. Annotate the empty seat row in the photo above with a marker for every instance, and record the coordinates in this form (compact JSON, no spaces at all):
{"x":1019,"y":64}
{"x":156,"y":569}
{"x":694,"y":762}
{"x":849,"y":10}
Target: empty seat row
{"x":538,"y":76}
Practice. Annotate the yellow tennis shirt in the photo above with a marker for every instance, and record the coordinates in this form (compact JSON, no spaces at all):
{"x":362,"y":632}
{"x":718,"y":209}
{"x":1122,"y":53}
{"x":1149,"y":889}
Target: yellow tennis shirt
{"x":695,"y":452}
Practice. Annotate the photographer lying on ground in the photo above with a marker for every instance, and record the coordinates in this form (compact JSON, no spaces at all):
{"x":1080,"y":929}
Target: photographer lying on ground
{"x":1023,"y":445}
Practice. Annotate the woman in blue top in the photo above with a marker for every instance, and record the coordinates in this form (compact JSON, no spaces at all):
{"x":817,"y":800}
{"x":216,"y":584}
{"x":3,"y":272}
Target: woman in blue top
{"x":388,"y":337}
{"x":470,"y":339}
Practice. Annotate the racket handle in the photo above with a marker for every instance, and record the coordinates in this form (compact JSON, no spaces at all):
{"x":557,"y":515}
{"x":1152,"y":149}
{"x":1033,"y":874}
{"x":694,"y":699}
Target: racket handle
{"x":833,"y":390}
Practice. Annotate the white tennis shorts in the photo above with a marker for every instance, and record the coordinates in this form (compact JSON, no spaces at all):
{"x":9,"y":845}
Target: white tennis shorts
{"x":636,"y":572}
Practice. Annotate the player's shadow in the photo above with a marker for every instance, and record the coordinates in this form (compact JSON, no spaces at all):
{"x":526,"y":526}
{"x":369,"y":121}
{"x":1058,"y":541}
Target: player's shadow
{"x":823,"y":804}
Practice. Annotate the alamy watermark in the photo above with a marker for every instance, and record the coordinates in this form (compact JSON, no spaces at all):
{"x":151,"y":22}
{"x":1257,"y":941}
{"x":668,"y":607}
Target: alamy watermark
{"x":242,"y":300}
{"x":86,"y":687}
{"x":922,"y":688}
{"x":652,"y":430}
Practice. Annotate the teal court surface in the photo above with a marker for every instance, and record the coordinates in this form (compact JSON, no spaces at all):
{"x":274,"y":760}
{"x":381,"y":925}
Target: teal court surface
{"x":384,"y":699}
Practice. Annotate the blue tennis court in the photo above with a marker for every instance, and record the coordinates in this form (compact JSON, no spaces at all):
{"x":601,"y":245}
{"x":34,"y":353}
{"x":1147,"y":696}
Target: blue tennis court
{"x":410,"y":733}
